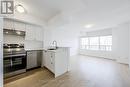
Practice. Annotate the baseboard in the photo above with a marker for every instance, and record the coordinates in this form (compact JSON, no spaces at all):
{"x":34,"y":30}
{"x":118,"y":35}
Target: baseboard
{"x":97,"y":57}
{"x":123,"y":60}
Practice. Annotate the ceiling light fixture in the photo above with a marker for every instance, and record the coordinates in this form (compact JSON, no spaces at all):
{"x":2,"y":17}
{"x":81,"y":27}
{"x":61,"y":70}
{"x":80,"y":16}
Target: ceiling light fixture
{"x":6,"y":32}
{"x":20,"y":8}
{"x":89,"y":25}
{"x":18,"y":32}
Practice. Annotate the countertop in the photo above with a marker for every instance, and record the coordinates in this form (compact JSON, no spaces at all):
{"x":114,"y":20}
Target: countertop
{"x":44,"y":49}
{"x":34,"y":49}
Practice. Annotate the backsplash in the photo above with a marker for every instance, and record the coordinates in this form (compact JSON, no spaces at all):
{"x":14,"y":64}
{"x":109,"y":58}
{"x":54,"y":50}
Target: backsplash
{"x":30,"y":45}
{"x":13,"y":39}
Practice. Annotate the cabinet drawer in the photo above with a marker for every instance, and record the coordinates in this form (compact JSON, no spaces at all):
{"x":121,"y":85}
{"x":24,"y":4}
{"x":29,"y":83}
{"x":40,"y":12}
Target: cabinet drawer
{"x":49,"y":62}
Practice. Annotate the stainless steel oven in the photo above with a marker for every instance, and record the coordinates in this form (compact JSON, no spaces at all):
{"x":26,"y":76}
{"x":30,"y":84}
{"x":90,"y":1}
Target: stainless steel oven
{"x":14,"y":59}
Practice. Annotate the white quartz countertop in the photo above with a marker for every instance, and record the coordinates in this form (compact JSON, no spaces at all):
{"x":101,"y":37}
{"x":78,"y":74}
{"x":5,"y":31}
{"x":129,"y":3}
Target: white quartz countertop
{"x":45,"y":49}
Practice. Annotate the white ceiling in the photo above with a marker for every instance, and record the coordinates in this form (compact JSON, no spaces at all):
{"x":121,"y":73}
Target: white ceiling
{"x":81,"y":12}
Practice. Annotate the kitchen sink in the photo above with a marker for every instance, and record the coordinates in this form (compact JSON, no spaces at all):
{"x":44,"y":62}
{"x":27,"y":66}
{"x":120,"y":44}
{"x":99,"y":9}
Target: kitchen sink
{"x":53,"y":48}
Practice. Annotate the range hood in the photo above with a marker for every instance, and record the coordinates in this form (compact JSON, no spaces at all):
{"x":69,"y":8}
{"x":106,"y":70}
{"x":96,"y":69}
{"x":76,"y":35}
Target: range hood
{"x":14,"y":32}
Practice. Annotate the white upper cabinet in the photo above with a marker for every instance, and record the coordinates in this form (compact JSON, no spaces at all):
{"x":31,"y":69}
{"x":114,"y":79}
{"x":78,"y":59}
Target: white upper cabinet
{"x":30,"y":32}
{"x":15,"y":25}
{"x":34,"y":33}
{"x":39,"y":33}
{"x":8,"y":24}
{"x":19,"y":26}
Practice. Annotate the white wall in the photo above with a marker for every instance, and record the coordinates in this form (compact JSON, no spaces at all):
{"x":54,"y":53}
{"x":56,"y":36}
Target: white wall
{"x":129,"y":44}
{"x":120,"y":47}
{"x":66,"y":38}
{"x":1,"y":52}
{"x":121,"y":43}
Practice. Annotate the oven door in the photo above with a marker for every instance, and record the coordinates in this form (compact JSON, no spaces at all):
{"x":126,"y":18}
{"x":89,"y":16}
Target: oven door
{"x":14,"y":63}
{"x":7,"y":65}
{"x":18,"y":62}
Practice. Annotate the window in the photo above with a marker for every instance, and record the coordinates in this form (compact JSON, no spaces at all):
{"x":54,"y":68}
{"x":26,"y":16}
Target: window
{"x":94,"y":43}
{"x":84,"y":43}
{"x":103,"y":43}
{"x":106,"y":43}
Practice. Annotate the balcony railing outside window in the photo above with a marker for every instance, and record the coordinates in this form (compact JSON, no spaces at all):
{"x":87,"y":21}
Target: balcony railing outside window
{"x":96,"y":47}
{"x":102,"y":43}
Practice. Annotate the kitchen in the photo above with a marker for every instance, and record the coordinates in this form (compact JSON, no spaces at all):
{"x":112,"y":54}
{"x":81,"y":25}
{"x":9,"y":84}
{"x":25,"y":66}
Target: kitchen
{"x":64,"y":43}
{"x":23,"y":50}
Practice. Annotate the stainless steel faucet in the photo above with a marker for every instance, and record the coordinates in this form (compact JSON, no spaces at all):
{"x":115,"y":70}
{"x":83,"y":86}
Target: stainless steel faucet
{"x":55,"y":43}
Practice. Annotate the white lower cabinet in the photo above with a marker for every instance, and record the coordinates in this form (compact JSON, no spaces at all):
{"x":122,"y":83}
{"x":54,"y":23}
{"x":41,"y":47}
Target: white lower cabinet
{"x":56,"y":61}
{"x":49,"y":60}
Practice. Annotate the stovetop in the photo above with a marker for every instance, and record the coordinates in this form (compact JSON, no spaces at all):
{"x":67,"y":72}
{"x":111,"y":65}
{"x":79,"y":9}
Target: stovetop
{"x":13,"y":49}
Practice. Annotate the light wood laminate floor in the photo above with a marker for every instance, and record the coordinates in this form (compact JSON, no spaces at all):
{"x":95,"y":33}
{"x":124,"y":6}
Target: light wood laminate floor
{"x":84,"y":72}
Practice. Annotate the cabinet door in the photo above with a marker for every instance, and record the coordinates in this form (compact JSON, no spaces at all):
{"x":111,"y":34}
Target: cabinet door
{"x":39,"y":58}
{"x":30,"y":32}
{"x":19,"y":26}
{"x":8,"y":24}
{"x":31,"y":59}
{"x":48,"y":60}
{"x":39,"y":34}
{"x":44,"y":60}
{"x":52,"y":63}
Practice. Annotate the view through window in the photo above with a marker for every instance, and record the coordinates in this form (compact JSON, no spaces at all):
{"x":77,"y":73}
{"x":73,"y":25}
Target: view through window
{"x":103,"y":43}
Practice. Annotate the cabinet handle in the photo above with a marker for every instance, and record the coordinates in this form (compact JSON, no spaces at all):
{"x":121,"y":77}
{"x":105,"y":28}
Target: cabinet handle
{"x":51,"y":61}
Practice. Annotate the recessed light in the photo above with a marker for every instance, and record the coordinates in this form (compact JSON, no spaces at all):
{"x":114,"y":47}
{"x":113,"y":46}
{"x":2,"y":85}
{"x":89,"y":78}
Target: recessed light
{"x":18,"y":32}
{"x":20,"y":8}
{"x":89,"y":25}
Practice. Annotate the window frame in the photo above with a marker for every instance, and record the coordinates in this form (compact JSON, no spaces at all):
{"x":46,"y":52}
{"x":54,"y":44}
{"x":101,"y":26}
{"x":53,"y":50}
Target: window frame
{"x":105,"y":47}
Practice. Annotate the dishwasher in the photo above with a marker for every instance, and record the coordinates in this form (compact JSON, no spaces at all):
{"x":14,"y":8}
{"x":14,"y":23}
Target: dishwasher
{"x":34,"y":59}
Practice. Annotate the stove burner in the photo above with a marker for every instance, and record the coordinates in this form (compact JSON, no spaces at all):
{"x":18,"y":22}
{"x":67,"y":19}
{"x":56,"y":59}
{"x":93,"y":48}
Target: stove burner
{"x":13,"y":49}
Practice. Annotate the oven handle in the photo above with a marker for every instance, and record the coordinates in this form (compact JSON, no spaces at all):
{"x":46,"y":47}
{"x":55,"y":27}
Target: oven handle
{"x":15,"y":55}
{"x":11,"y":62}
